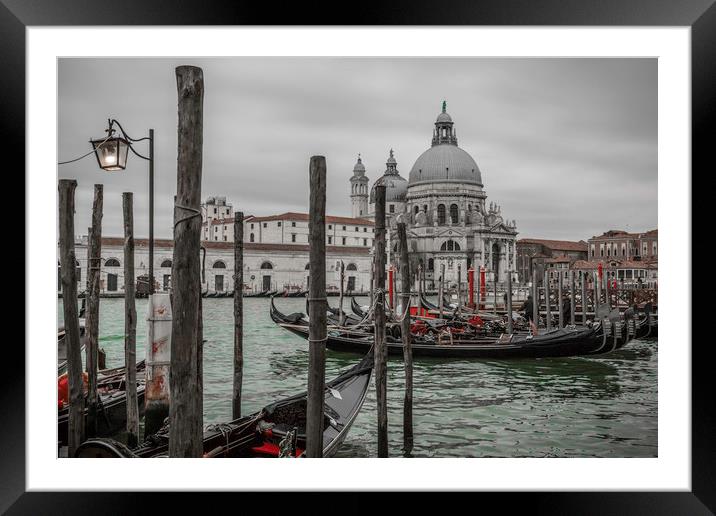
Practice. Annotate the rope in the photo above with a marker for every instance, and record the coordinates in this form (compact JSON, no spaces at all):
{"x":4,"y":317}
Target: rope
{"x":314,"y":341}
{"x":85,"y":155}
{"x":196,"y":213}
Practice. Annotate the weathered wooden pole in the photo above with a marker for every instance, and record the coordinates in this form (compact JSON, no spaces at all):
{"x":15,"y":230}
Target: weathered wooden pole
{"x":546,"y":300}
{"x":510,"y":328}
{"x":238,"y":313}
{"x":597,"y":293}
{"x":607,"y":291}
{"x":459,"y":289}
{"x":130,"y":323}
{"x":185,"y":418}
{"x":68,"y":278}
{"x":560,"y":301}
{"x":372,"y":281}
{"x":94,"y":264}
{"x":341,"y":316}
{"x":380,"y":349}
{"x":317,"y":306}
{"x":406,"y":337}
{"x":478,"y":288}
{"x":420,"y":281}
{"x":585,"y":301}
{"x":535,"y":298}
{"x":494,"y":308}
{"x":572,"y":299}
{"x":441,"y":287}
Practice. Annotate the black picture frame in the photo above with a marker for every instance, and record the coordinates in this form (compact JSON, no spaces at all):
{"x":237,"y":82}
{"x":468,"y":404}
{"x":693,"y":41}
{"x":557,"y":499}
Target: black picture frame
{"x":700,"y":15}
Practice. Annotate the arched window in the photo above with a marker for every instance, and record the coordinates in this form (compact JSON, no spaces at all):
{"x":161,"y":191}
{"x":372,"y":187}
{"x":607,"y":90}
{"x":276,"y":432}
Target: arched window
{"x":431,"y":264}
{"x":441,"y":214}
{"x":111,"y":262}
{"x":251,"y":237}
{"x":416,"y":209}
{"x":166,"y":263}
{"x":453,"y":213}
{"x":351,"y":267}
{"x":266,"y":265}
{"x":450,"y":245}
{"x":218,"y":264}
{"x":308,"y":266}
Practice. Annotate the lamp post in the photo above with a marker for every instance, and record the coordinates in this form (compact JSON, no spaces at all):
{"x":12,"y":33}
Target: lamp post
{"x":111,"y":152}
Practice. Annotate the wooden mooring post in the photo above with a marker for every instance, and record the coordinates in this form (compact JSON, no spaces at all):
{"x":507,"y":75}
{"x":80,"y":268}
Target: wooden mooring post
{"x":317,"y":306}
{"x":560,"y":300}
{"x":407,"y":340}
{"x":572,"y":299}
{"x":597,"y":294}
{"x":585,"y":300}
{"x":494,"y":306}
{"x":380,"y":349}
{"x":341,"y":313}
{"x":535,"y":298}
{"x":185,"y":417}
{"x":94,"y":266}
{"x":238,"y":313}
{"x":510,"y":327}
{"x":548,"y":320}
{"x":75,"y":431}
{"x":459,"y":289}
{"x":130,"y":322}
{"x":441,"y":289}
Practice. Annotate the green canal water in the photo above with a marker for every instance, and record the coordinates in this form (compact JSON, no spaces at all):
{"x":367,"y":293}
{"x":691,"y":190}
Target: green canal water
{"x":561,"y":407}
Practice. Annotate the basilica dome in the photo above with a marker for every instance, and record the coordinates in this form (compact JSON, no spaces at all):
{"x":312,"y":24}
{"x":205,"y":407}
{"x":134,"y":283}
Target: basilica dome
{"x":445,"y":161}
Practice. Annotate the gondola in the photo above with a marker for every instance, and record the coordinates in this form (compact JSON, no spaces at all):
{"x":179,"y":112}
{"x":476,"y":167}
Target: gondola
{"x":357,"y":309}
{"x":555,"y":343}
{"x":112,"y":407}
{"x":276,"y":430}
{"x":293,"y":318}
{"x":257,"y":294}
{"x":298,"y":293}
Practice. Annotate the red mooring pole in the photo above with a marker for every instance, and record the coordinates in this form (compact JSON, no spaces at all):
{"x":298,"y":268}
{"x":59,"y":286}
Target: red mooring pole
{"x":471,"y":287}
{"x":483,"y":289}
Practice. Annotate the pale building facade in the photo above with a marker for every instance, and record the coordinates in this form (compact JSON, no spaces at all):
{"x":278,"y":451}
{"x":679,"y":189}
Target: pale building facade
{"x":266,"y":266}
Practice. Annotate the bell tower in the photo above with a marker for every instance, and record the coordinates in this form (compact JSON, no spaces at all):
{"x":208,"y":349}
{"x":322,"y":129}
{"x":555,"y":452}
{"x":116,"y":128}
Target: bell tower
{"x":359,"y":190}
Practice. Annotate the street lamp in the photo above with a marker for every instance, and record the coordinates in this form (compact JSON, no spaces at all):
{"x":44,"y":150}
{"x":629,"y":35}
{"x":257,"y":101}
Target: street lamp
{"x":111,"y":152}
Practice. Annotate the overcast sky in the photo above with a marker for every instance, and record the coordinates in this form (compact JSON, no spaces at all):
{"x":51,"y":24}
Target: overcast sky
{"x":567,"y":147}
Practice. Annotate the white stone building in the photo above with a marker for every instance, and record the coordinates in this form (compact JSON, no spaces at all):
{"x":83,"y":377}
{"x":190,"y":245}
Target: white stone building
{"x":266,"y":266}
{"x":443,"y":204}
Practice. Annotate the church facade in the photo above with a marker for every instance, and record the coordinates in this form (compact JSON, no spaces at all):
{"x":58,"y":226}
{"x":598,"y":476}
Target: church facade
{"x":443,"y":203}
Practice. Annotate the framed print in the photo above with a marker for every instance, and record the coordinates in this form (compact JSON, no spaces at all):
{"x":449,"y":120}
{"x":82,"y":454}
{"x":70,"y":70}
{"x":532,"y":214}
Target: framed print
{"x":518,"y":164}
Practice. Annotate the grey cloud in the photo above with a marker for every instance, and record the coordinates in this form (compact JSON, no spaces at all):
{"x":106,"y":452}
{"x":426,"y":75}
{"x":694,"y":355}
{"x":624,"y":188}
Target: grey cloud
{"x":566,"y":146}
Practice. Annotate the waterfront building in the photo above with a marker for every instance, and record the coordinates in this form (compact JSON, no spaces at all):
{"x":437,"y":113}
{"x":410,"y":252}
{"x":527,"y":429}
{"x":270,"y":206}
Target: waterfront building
{"x":626,"y":273}
{"x":267,"y":266}
{"x":622,"y":245}
{"x":539,"y":254}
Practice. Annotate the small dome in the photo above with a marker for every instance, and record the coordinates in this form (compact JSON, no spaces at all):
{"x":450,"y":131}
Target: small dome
{"x":396,"y":188}
{"x":359,"y":167}
{"x":443,"y":118}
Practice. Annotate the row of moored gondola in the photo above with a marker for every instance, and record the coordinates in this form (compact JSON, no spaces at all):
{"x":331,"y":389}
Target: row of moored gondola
{"x":465,"y":333}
